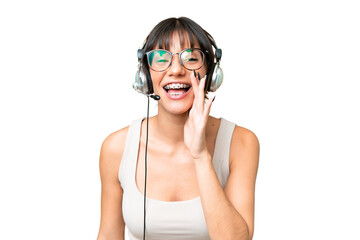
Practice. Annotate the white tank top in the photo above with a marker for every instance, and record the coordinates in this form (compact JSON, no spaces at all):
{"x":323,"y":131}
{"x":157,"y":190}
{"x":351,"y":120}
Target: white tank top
{"x":175,"y":220}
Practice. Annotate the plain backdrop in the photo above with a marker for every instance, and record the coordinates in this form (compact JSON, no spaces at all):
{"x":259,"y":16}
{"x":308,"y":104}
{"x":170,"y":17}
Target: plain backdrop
{"x":291,"y":76}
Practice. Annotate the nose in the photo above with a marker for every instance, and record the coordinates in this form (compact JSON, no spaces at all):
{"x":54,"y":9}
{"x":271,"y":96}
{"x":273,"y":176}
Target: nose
{"x":176,"y":68}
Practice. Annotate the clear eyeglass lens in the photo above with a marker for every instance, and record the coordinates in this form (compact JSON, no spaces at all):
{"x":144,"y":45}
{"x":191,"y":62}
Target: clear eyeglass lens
{"x":191,"y":59}
{"x":159,"y":60}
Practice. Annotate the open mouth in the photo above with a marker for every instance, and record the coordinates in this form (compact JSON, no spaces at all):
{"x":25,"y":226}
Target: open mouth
{"x":177,"y":90}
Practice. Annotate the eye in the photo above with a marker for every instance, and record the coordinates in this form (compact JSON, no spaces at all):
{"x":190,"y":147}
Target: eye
{"x":191,"y":56}
{"x":191,"y":59}
{"x":162,"y":60}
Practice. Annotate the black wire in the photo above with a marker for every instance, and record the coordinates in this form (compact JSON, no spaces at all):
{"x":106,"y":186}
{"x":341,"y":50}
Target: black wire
{"x":146,"y":145}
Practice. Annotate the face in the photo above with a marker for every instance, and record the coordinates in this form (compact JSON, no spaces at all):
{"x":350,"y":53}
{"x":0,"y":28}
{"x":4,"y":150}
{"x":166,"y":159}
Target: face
{"x":175,"y":101}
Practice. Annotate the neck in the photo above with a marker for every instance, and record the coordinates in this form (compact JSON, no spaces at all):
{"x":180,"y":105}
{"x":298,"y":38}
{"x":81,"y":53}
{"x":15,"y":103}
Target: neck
{"x":170,"y":127}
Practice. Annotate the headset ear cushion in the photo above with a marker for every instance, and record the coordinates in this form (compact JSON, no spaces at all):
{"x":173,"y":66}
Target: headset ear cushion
{"x":143,"y":82}
{"x":140,"y":83}
{"x":217,"y":78}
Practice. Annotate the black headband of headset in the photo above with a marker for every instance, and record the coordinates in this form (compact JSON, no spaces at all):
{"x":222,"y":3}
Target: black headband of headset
{"x":218,"y":51}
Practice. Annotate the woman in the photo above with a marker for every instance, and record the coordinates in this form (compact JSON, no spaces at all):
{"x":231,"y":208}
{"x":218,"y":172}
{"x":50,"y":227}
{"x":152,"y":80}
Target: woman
{"x":201,"y":170}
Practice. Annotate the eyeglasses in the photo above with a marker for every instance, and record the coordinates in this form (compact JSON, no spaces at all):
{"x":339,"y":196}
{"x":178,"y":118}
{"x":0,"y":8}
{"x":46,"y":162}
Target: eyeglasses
{"x":191,"y":58}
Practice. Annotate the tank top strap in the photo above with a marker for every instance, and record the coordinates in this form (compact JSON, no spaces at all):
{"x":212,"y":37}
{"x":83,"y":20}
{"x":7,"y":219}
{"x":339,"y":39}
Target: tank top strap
{"x":129,"y":158}
{"x":222,"y":150}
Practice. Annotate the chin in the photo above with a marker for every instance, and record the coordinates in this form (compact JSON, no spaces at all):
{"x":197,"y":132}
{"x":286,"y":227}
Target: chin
{"x":178,"y":107}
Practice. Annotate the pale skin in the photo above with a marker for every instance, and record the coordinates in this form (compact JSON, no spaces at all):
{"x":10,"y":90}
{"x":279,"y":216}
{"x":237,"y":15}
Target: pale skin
{"x":181,"y":144}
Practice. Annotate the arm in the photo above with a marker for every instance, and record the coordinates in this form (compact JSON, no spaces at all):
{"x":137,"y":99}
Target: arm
{"x":229,"y":213}
{"x":112,"y":224}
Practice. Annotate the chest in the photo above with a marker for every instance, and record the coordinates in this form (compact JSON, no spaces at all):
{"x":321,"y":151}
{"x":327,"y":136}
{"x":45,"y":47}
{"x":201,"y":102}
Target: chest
{"x":170,"y":177}
{"x":171,"y":173}
{"x":164,"y":220}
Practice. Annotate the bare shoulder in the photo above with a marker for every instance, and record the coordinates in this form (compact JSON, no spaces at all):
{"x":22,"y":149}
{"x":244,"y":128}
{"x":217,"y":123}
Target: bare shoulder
{"x":245,"y":147}
{"x":115,"y":141}
{"x":244,"y":136}
{"x":111,"y":152}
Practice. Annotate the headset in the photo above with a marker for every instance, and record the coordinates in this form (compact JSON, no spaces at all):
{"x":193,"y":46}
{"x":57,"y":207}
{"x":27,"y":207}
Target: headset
{"x":143,"y":84}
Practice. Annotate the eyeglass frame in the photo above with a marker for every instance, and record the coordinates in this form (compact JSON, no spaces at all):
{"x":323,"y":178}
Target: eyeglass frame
{"x":171,"y":54}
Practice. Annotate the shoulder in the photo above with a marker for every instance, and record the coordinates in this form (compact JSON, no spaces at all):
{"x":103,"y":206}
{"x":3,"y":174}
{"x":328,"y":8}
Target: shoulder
{"x":111,"y":152}
{"x":115,"y":141}
{"x":244,"y":148}
{"x":245,"y":137}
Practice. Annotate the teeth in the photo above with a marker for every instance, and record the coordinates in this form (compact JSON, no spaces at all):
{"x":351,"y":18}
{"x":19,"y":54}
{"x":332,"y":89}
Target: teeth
{"x":176,"y":94}
{"x":176,"y":86}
